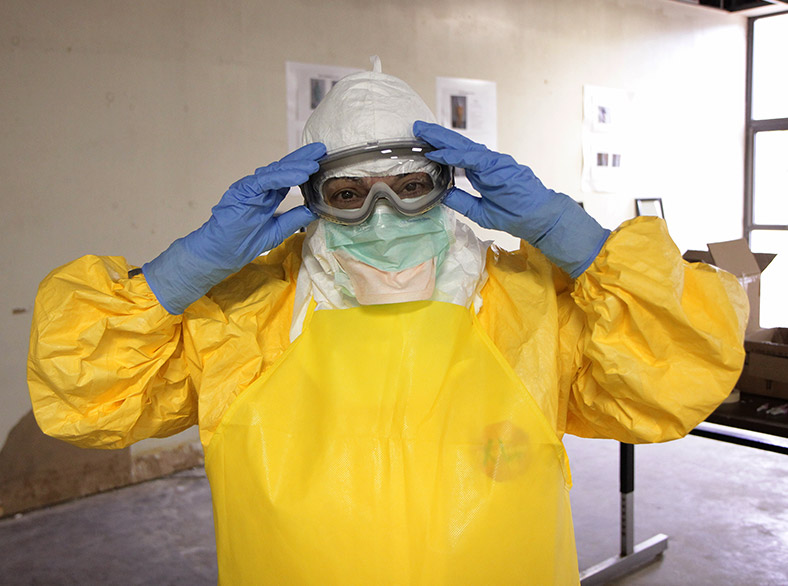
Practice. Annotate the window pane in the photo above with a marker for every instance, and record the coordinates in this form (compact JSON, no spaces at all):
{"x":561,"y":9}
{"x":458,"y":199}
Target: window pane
{"x":769,"y":70}
{"x":774,"y":281}
{"x":770,"y":179}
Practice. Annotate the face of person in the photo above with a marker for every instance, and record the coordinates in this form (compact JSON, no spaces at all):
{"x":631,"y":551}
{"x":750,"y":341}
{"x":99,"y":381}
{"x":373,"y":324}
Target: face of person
{"x":351,"y":192}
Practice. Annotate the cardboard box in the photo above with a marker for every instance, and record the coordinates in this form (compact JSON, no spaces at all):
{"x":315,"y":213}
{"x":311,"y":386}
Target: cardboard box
{"x":735,"y":257}
{"x":766,"y":363}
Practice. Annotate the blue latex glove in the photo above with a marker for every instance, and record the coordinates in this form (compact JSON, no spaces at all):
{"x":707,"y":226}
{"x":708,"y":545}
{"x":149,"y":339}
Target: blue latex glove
{"x":515,"y":201}
{"x":241,"y":227}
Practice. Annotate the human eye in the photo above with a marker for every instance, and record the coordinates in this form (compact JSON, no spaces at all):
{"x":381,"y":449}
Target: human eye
{"x":344,"y":194}
{"x":415,"y":185}
{"x":346,"y":199}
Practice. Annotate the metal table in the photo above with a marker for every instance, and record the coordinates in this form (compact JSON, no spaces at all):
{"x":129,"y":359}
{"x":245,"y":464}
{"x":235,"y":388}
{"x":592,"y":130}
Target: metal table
{"x":754,"y":421}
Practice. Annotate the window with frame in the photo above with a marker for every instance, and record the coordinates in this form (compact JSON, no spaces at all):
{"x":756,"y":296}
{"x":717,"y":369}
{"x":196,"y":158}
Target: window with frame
{"x":766,"y":163}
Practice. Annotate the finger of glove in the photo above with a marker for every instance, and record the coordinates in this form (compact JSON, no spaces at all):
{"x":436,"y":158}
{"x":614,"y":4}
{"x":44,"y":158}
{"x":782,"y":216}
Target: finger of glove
{"x":479,"y":161}
{"x":247,"y":207}
{"x":468,"y":205}
{"x":293,"y":220}
{"x":284,"y":174}
{"x":277,"y":229}
{"x":272,"y":177}
{"x":441,"y":137}
{"x":312,"y":152}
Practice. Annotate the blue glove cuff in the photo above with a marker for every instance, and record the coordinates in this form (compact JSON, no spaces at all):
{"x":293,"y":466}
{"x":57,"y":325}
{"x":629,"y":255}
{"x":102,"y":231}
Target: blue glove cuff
{"x":575,"y":239}
{"x":178,"y":278}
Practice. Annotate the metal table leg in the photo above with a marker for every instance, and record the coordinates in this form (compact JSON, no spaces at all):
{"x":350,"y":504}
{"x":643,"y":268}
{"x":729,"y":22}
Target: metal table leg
{"x":632,"y":556}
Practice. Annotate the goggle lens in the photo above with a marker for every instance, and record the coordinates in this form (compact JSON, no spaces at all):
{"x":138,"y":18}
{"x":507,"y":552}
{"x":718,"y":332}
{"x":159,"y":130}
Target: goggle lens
{"x":350,"y":193}
{"x":351,"y":181}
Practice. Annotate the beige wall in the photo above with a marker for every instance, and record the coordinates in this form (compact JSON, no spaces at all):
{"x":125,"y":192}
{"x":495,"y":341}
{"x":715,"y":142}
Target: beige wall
{"x":123,"y":122}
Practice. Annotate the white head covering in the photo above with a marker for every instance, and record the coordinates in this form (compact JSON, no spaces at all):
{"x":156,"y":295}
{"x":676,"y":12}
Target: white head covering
{"x":373,"y":107}
{"x":366,"y":107}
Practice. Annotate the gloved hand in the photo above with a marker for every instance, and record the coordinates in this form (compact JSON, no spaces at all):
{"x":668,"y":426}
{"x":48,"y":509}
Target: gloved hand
{"x":515,"y":201}
{"x":241,"y":227}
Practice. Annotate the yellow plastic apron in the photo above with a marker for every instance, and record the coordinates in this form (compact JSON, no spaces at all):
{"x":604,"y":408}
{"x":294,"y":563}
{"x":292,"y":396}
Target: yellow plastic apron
{"x":390,"y":444}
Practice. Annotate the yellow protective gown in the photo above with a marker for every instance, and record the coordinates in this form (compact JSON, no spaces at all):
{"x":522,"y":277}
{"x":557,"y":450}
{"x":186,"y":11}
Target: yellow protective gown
{"x":390,"y":444}
{"x":639,"y":348}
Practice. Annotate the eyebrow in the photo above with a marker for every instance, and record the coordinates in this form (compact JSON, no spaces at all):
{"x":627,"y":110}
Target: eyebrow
{"x":353,"y":179}
{"x":359,"y":180}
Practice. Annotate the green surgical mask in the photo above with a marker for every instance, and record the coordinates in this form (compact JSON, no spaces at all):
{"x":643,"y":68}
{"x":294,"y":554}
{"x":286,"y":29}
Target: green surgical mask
{"x":390,"y":241}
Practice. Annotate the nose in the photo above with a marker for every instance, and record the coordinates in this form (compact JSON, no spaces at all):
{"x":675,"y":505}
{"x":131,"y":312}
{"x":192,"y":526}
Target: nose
{"x":382,"y":205}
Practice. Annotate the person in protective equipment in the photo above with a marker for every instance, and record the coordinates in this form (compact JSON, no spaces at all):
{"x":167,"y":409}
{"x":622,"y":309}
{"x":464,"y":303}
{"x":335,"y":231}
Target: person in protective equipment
{"x":382,"y":398}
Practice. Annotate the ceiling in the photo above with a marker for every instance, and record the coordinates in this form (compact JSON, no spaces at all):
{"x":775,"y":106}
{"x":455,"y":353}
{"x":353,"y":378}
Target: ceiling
{"x":739,"y":5}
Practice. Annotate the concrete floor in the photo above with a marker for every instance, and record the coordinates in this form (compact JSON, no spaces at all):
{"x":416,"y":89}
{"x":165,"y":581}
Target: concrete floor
{"x":724,"y":508}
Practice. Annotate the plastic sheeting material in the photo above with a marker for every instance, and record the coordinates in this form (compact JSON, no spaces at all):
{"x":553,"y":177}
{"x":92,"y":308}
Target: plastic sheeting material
{"x":392,"y":444}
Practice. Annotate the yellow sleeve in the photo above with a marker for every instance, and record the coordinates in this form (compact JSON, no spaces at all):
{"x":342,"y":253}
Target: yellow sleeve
{"x":657,"y":342}
{"x":106,"y":365}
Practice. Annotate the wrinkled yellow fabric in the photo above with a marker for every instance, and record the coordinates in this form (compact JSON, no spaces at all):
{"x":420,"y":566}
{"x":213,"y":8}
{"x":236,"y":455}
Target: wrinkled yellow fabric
{"x":639,"y":348}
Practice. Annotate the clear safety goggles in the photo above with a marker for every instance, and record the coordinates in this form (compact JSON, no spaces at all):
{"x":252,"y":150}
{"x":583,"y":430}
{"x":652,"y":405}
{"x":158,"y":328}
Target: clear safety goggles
{"x":350,"y":182}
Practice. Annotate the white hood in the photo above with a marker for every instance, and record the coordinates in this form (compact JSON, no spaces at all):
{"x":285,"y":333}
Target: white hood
{"x":366,"y":107}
